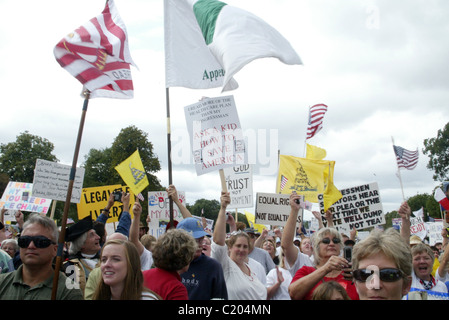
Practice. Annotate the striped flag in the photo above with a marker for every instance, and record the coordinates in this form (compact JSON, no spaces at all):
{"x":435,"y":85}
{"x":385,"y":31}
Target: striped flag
{"x":405,"y":158}
{"x":316,"y":115}
{"x":140,"y":196}
{"x":284,"y":181}
{"x":97,"y":54}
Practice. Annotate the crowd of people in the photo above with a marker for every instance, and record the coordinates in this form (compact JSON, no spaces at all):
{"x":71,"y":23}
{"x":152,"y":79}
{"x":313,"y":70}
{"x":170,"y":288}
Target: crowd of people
{"x":233,"y":263}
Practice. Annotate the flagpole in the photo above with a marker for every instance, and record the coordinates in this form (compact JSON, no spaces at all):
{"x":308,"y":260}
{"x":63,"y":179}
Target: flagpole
{"x":69,"y":197}
{"x":399,"y":172}
{"x":170,"y":177}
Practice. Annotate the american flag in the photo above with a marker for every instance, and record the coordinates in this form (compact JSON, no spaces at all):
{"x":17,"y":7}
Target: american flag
{"x":405,"y":158}
{"x":283,"y":182}
{"x":97,"y":54}
{"x":140,"y":196}
{"x":316,"y":115}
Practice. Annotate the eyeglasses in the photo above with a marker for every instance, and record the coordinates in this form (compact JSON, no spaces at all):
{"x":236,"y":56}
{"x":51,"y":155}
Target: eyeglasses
{"x":387,"y":275}
{"x":328,"y":240}
{"x":39,"y":241}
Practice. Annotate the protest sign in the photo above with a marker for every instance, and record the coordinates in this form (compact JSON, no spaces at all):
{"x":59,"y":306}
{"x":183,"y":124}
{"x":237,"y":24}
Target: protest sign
{"x":239,"y":182}
{"x":19,"y":196}
{"x":274,"y":209}
{"x":94,"y":200}
{"x":159,"y":211}
{"x":360,"y":207}
{"x":51,"y":180}
{"x":216,"y":137}
{"x":434,"y":232}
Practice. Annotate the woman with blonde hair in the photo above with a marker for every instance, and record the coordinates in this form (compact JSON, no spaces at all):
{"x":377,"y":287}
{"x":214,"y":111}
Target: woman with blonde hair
{"x":329,"y":266}
{"x":121,"y":275}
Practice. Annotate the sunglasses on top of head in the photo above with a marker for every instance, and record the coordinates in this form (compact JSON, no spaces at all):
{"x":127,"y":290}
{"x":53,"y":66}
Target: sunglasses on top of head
{"x":39,"y":241}
{"x":386,"y":275}
{"x":328,"y":240}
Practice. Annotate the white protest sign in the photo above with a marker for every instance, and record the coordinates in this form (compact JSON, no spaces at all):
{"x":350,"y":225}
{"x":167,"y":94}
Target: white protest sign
{"x":434,"y":232}
{"x":159,"y":211}
{"x":418,"y":227}
{"x":216,"y":137}
{"x":19,"y":196}
{"x":239,"y":182}
{"x":51,"y":180}
{"x":360,"y":207}
{"x":274,"y":209}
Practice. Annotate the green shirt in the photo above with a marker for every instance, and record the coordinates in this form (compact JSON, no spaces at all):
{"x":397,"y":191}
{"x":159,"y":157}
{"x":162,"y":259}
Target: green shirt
{"x":13,"y":288}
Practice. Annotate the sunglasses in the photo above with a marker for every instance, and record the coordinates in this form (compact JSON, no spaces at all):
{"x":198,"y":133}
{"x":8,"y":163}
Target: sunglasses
{"x":39,"y":241}
{"x":387,"y":275}
{"x":328,"y":240}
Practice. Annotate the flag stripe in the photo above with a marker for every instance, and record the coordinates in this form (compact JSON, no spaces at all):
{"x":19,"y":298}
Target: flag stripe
{"x":405,"y":158}
{"x":97,"y":55}
{"x":316,"y":115}
{"x":206,"y":14}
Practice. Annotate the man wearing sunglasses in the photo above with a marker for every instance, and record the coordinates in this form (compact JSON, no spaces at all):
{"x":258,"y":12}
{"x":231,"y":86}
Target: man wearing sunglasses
{"x":33,"y":280}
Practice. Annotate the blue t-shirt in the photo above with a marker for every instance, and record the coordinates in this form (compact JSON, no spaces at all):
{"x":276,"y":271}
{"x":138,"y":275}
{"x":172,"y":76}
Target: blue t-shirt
{"x":205,"y":280}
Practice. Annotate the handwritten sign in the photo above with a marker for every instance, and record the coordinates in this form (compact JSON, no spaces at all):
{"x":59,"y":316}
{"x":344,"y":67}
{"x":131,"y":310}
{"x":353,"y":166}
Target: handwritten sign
{"x":215,"y":134}
{"x":360,"y":208}
{"x":239,"y":182}
{"x":51,"y":180}
{"x":274,"y":209}
{"x":19,"y":196}
{"x":94,"y":200}
{"x":159,"y":211}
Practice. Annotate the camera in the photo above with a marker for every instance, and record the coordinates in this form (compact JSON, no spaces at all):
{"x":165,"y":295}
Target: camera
{"x":117,"y":195}
{"x":347,"y":253}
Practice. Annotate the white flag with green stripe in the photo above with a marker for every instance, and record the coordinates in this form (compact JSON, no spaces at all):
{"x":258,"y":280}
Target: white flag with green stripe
{"x":207,"y":42}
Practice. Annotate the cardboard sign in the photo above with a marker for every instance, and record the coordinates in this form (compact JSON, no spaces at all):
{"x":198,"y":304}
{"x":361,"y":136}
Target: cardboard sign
{"x":19,"y":196}
{"x":159,"y":211}
{"x":216,"y":137}
{"x":94,"y":200}
{"x":274,"y":209}
{"x":360,"y":207}
{"x":239,"y":182}
{"x":51,"y":180}
{"x":434,"y":232}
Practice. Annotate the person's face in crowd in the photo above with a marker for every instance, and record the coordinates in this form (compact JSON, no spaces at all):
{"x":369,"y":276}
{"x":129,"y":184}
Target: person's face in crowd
{"x":198,"y":251}
{"x":33,"y":256}
{"x":422,"y":265}
{"x":206,"y":246}
{"x":306,"y":246}
{"x":376,"y":289}
{"x":9,"y":249}
{"x":269,"y":247}
{"x":327,"y":250}
{"x":92,"y":243}
{"x":240,"y":250}
{"x":113,"y":265}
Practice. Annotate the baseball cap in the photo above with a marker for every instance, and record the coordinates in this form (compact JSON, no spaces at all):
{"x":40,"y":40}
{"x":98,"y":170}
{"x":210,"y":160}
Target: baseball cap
{"x":193,"y":226}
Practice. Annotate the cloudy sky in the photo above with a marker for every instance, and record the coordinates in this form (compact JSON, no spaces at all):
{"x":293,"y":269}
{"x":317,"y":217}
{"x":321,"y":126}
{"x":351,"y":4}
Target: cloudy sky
{"x":381,"y":67}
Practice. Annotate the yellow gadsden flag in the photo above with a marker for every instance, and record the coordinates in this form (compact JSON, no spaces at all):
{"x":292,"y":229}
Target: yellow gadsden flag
{"x":133,"y":173}
{"x":308,"y":177}
{"x":252,"y":222}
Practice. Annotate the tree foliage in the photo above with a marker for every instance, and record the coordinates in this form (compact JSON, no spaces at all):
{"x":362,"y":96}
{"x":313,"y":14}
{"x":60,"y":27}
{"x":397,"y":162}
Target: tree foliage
{"x":438,"y":150}
{"x":18,"y":159}
{"x":100,"y":164}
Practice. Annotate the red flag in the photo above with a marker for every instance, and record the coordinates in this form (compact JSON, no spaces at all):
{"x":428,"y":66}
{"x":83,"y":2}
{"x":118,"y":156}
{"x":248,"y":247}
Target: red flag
{"x":442,"y":199}
{"x":97,"y":54}
{"x":316,"y":115}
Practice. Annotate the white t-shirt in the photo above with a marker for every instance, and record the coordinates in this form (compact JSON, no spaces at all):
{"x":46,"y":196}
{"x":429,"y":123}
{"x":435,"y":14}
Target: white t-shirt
{"x":282,"y":292}
{"x":240,"y":286}
{"x":146,"y":259}
{"x":438,"y":291}
{"x":258,"y":269}
{"x":301,"y":260}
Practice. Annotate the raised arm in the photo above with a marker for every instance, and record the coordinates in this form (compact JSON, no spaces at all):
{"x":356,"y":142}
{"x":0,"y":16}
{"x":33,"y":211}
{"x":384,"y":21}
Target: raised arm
{"x":405,"y":212}
{"x":288,"y":247}
{"x":173,"y":194}
{"x":134,"y":230}
{"x":220,"y":225}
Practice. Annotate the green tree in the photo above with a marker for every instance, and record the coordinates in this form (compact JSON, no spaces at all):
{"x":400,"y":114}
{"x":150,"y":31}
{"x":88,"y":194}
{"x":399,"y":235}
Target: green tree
{"x":18,"y":159}
{"x":100,"y":164}
{"x":438,"y":151}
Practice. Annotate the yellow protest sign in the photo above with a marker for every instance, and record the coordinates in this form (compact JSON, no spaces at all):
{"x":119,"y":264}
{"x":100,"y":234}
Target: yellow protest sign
{"x":133,"y":173}
{"x":95,"y":199}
